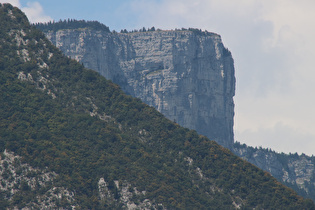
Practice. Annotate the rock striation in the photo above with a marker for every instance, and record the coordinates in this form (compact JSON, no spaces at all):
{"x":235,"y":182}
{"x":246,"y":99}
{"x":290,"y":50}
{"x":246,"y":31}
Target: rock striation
{"x":186,"y":75}
{"x":51,"y":144}
{"x":189,"y":77}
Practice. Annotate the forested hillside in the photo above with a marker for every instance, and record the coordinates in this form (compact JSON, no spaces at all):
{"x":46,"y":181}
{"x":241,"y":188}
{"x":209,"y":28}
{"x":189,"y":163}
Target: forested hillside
{"x":293,"y":170}
{"x":181,"y":82}
{"x":108,"y":150}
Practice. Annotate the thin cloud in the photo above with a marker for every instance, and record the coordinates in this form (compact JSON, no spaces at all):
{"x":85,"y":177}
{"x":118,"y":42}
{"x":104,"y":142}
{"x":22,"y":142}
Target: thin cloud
{"x":281,"y":138}
{"x":15,"y":3}
{"x":33,"y":10}
{"x":35,"y":13}
{"x":273,"y":44}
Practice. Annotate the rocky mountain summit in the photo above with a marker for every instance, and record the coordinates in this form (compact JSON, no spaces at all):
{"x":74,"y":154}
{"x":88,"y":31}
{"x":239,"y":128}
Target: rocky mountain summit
{"x":186,"y":75}
{"x":71,"y":139}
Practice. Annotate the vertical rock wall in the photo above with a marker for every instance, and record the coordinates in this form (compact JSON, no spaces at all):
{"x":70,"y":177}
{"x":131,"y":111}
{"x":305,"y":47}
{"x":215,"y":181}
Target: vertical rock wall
{"x":187,"y":76}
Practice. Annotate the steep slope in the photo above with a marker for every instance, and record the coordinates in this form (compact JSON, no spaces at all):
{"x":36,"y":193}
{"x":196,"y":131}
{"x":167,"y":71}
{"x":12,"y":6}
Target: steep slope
{"x":187,"y":75}
{"x":295,"y":171}
{"x":103,"y":149}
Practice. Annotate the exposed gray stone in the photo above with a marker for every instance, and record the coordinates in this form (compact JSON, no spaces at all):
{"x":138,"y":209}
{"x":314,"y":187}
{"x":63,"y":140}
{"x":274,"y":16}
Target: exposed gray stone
{"x":188,"y":77}
{"x":16,"y":177}
{"x":297,"y":171}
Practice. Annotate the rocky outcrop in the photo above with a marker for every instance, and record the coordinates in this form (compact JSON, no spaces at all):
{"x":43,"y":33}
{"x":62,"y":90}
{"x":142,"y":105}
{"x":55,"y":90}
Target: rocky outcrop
{"x":121,"y":195}
{"x":296,"y":171}
{"x":21,"y":183}
{"x":189,"y":77}
{"x":186,"y":75}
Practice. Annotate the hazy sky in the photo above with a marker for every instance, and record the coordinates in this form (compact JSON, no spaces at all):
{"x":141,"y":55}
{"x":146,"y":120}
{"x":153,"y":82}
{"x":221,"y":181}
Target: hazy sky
{"x":272,"y":43}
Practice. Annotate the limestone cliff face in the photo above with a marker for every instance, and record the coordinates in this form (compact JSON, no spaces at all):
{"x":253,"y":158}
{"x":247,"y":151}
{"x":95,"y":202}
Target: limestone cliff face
{"x":187,"y":76}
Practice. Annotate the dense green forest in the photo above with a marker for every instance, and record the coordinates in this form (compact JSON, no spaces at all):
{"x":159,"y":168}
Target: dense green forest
{"x":95,"y":25}
{"x":60,"y":116}
{"x":71,"y":24}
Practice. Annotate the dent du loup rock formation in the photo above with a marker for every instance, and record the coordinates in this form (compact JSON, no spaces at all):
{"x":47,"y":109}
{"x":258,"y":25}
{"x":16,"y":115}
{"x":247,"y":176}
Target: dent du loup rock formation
{"x":187,"y":76}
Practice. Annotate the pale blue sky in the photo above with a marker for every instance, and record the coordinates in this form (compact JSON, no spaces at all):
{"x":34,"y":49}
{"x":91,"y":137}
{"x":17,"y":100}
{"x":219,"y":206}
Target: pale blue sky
{"x":272,"y":43}
{"x":106,"y":12}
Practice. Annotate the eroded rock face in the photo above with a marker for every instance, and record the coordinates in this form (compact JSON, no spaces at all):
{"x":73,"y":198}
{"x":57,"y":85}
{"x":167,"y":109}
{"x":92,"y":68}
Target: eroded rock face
{"x":18,"y":180}
{"x":188,"y":77}
{"x":124,"y":196}
{"x":296,"y":171}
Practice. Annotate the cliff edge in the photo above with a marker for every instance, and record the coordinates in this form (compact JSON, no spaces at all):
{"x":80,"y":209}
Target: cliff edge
{"x":186,"y":75}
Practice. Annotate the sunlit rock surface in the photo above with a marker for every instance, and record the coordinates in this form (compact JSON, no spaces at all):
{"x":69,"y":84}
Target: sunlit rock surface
{"x":188,"y":76}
